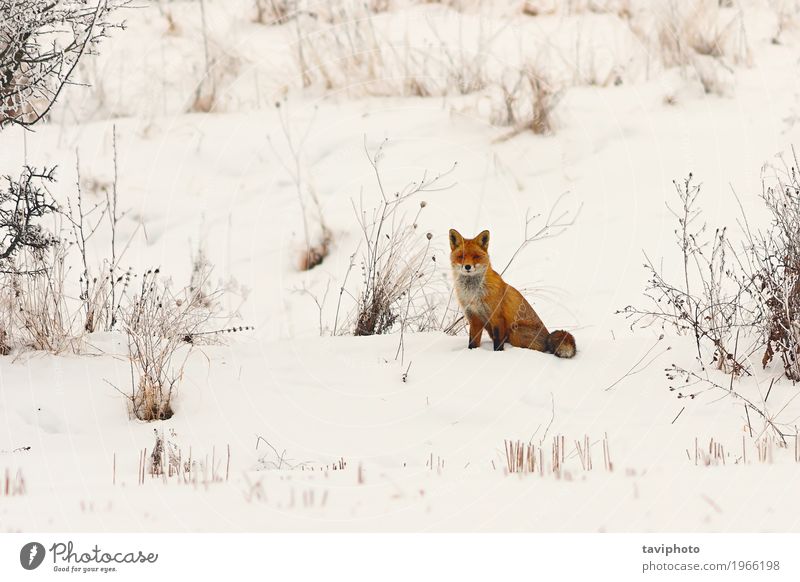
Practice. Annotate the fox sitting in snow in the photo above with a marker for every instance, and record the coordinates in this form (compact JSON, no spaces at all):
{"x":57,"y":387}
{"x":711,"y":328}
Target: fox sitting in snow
{"x":490,"y":303}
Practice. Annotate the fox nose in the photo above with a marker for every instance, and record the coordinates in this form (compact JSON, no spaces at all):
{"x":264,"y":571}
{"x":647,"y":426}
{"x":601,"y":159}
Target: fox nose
{"x":467,"y":267}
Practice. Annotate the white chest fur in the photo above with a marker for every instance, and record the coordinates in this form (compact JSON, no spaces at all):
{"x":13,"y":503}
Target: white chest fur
{"x":470,"y":292}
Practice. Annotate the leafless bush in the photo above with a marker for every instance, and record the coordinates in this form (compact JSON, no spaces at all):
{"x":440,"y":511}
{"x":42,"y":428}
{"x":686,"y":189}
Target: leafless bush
{"x":24,"y":204}
{"x":345,"y":49}
{"x":38,"y":311}
{"x":786,"y":13}
{"x":173,"y":29}
{"x":572,"y":7}
{"x":714,"y":76}
{"x":95,"y":290}
{"x":152,"y":347}
{"x":698,"y":36}
{"x":395,"y":262}
{"x":317,"y":244}
{"x":687,"y":28}
{"x":775,"y":264}
{"x":282,"y":11}
{"x":32,"y":267}
{"x":101,"y":292}
{"x":463,"y":66}
{"x":41,"y":43}
{"x":707,"y":300}
{"x":694,"y":384}
{"x":529,"y":100}
{"x":158,"y":324}
{"x":274,"y":11}
{"x":340,"y":51}
{"x":42,"y":317}
{"x":162,"y":327}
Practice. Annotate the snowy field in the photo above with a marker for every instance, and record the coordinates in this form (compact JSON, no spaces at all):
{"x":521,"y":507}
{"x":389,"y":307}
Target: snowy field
{"x":298,"y":425}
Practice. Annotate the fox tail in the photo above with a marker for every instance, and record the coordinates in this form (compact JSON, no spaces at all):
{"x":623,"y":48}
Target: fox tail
{"x":561,"y":343}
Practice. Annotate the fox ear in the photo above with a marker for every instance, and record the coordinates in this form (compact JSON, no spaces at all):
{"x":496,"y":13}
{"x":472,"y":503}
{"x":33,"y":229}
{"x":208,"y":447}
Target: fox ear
{"x":483,"y":239}
{"x":456,"y":240}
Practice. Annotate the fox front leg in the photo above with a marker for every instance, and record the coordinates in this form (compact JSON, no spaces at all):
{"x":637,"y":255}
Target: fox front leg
{"x":475,"y":332}
{"x":499,"y":337}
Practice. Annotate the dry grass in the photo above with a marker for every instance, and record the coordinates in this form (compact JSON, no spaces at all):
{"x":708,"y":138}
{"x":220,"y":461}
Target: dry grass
{"x":786,"y":17}
{"x":317,"y":237}
{"x":168,"y":462}
{"x":529,"y":100}
{"x":342,"y":52}
{"x":272,"y":12}
{"x":761,"y":450}
{"x":12,"y":485}
{"x":347,"y":50}
{"x":700,"y":37}
{"x":557,"y":459}
{"x":35,"y":307}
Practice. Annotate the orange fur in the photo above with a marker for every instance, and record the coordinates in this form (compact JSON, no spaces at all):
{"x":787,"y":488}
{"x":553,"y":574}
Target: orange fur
{"x":492,"y":304}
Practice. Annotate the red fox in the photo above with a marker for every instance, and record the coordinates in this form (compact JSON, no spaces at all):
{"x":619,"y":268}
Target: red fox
{"x":492,"y":304}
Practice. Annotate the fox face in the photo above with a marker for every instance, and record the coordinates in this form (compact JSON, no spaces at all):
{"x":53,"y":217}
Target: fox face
{"x":469,"y":257}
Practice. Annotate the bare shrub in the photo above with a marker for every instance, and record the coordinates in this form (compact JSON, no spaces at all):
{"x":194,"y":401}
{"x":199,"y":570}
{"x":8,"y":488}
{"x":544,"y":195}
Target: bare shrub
{"x":775,"y":262}
{"x":6,"y":318}
{"x":101,"y":292}
{"x":32,"y":269}
{"x":199,"y":281}
{"x":38,"y":308}
{"x":786,"y":12}
{"x":735,"y":304}
{"x":697,"y":36}
{"x":342,"y":49}
{"x":158,"y":324}
{"x":395,"y":263}
{"x":221,"y":69}
{"x":715,"y":77}
{"x":528,"y":103}
{"x":693,"y":384}
{"x":274,"y":11}
{"x":173,"y":29}
{"x":163,"y":327}
{"x":42,"y":317}
{"x":95,"y":290}
{"x":41,"y":43}
{"x":686,"y":28}
{"x":317,"y":243}
{"x":465,"y":66}
{"x":707,"y":299}
{"x":24,"y":204}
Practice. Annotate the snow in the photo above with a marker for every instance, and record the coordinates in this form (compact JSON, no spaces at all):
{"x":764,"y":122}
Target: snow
{"x":425,"y":453}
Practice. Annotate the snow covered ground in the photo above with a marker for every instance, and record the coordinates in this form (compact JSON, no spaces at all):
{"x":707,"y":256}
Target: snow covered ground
{"x":351,"y":438}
